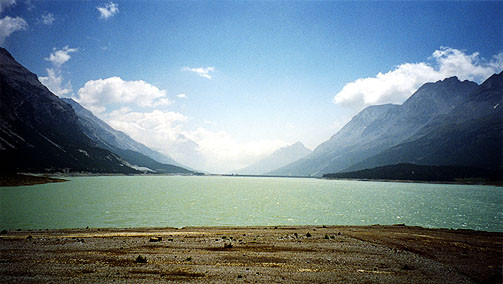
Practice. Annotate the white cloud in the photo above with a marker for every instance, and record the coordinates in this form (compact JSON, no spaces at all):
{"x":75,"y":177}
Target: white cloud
{"x":116,"y":101}
{"x":210,"y":122}
{"x":201,"y":71}
{"x":97,"y":94}
{"x":108,"y":10}
{"x":54,"y":82}
{"x":155,"y":128}
{"x":182,"y":96}
{"x":160,"y":130}
{"x":59,"y":57}
{"x":397,"y":85}
{"x":222,"y":153}
{"x":47,"y":19}
{"x":9,"y":25}
{"x":5,"y":4}
{"x":453,"y":62}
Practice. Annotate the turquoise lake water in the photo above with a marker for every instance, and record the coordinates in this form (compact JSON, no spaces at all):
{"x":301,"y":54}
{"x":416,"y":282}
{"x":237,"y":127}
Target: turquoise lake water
{"x":178,"y":201}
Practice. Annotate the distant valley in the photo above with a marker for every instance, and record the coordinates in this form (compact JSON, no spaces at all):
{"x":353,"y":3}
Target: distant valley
{"x":449,"y":123}
{"x":278,"y":159}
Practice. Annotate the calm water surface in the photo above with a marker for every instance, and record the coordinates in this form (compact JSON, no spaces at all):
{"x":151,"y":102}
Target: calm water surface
{"x":176,"y":201}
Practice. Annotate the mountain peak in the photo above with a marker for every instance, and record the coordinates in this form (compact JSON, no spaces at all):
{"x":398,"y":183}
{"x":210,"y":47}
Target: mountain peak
{"x":297,"y":145}
{"x":4,"y":52}
{"x":277,"y":159}
{"x":450,"y":79}
{"x":495,"y":81}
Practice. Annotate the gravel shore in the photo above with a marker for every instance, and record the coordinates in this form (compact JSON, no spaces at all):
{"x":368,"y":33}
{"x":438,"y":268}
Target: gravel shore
{"x":309,"y":254}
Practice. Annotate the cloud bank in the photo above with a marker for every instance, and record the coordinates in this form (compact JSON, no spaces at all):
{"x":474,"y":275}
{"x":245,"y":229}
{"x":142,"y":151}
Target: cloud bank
{"x":108,"y":10}
{"x":134,"y":107}
{"x":397,"y":85}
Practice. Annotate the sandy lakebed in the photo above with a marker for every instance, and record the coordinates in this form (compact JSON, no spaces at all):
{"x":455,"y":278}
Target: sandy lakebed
{"x":307,"y":254}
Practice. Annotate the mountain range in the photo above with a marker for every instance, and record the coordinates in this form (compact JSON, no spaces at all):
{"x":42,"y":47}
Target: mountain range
{"x":139,"y":156}
{"x":277,"y":159}
{"x":449,"y":122}
{"x":39,"y":132}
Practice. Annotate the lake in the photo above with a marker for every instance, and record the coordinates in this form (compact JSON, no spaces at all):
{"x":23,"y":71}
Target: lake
{"x":178,"y":201}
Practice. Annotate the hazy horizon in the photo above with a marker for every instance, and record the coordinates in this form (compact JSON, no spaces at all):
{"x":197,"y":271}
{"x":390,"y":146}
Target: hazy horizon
{"x":220,"y":85}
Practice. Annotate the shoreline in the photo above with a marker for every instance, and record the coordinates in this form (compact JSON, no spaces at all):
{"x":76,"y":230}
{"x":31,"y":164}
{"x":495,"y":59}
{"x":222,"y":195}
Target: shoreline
{"x":499,"y":184}
{"x":28,"y":179}
{"x":23,"y":179}
{"x":289,"y":254}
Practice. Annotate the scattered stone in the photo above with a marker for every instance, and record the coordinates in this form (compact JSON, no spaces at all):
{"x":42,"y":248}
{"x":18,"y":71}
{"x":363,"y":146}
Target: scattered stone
{"x":406,"y":267}
{"x":332,"y":237}
{"x":3,"y":232}
{"x":240,"y":276}
{"x":141,"y":259}
{"x":324,"y":227}
{"x":189,"y":258}
{"x":155,"y":239}
{"x":326,"y":237}
{"x":29,"y":237}
{"x":308,"y":235}
{"x":228,"y":246}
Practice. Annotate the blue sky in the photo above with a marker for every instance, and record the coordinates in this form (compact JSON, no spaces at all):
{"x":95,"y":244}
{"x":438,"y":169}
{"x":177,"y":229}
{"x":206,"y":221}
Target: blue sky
{"x":220,"y":84}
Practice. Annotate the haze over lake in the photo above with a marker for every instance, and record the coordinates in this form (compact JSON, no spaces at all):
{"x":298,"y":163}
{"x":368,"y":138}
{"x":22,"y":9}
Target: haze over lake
{"x":177,"y":201}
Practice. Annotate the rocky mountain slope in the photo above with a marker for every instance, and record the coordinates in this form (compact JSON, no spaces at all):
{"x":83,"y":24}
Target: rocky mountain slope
{"x":138,"y":155}
{"x":39,"y":132}
{"x":469,"y":135}
{"x":377,"y":128}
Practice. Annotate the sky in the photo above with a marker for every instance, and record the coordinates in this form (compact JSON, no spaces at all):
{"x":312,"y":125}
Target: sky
{"x":218,"y":85}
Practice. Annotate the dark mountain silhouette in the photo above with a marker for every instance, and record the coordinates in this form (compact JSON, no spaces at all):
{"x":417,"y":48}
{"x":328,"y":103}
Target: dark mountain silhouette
{"x":469,"y":135}
{"x":377,"y":128}
{"x":40,"y":133}
{"x":412,"y":172}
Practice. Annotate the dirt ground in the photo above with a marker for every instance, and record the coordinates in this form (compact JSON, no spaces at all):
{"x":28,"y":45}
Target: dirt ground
{"x":341,"y":254}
